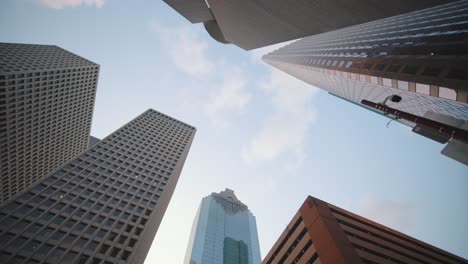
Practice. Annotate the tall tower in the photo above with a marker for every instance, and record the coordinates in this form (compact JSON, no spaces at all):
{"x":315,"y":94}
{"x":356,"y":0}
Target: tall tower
{"x":224,"y":231}
{"x":46,"y":104}
{"x":251,"y":24}
{"x":420,"y":56}
{"x":106,"y":204}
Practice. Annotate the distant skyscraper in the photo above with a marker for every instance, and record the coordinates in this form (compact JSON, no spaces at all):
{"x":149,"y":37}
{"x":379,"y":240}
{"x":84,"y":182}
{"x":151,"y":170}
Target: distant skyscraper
{"x":103,"y":206}
{"x":224,"y":232}
{"x":419,"y":56}
{"x":252,"y":24}
{"x":323,"y":233}
{"x":46,"y":105}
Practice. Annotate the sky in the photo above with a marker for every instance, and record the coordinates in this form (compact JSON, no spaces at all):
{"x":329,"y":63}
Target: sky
{"x":269,"y":137}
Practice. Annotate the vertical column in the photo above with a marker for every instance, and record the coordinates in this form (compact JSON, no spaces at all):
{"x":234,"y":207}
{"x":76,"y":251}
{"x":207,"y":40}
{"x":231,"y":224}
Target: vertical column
{"x":329,"y":239}
{"x":434,"y":90}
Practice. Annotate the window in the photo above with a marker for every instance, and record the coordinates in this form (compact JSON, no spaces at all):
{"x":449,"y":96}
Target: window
{"x":70,"y":223}
{"x":115,"y":252}
{"x":402,"y":85}
{"x":422,"y":88}
{"x":447,"y":93}
{"x":91,"y":230}
{"x":103,"y":249}
{"x":81,"y":242}
{"x":31,"y":246}
{"x":387,"y":82}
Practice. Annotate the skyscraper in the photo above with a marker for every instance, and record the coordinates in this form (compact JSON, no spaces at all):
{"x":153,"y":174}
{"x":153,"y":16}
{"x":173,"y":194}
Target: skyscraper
{"x":420,"y":57}
{"x":104,"y":205}
{"x":252,"y":24}
{"x":224,"y":231}
{"x":46,"y":104}
{"x":323,"y":233}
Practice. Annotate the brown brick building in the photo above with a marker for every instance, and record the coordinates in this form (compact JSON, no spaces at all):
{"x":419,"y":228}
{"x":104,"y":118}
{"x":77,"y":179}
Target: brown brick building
{"x":323,"y":233}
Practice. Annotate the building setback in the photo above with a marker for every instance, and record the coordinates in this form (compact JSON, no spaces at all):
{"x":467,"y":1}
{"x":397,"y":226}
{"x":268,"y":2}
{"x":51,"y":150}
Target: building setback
{"x":106,"y":204}
{"x":224,"y":231}
{"x":46,"y":103}
{"x":420,"y":56}
{"x":251,"y":24}
{"x":323,"y":233}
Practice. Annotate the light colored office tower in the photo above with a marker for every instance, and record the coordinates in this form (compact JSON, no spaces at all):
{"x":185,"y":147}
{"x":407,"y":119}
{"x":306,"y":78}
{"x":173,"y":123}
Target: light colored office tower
{"x":224,"y":231}
{"x":422,"y":57}
{"x":106,"y":204}
{"x":47,"y":98}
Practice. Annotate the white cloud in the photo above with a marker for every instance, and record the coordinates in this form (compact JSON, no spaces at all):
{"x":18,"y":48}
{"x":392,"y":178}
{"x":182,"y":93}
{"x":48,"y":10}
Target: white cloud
{"x":59,"y":4}
{"x":186,"y":49}
{"x":231,"y":98}
{"x":284,"y":130}
{"x":398,"y":215}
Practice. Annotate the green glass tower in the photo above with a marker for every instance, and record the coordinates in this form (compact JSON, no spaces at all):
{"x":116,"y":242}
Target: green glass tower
{"x":224,"y":231}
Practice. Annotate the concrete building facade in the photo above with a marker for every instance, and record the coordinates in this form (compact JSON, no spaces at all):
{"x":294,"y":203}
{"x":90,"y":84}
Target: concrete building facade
{"x":106,"y":204}
{"x":251,"y":24}
{"x":323,"y":233}
{"x":420,"y":56}
{"x":47,"y":99}
{"x":224,"y":232}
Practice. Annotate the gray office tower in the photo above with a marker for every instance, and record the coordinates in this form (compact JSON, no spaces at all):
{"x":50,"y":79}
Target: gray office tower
{"x":46,"y":105}
{"x":252,"y":24}
{"x":422,"y":57}
{"x":104,"y":205}
{"x":224,"y":232}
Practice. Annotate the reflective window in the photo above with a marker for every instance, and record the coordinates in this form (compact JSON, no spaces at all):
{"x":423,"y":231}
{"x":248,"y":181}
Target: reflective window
{"x":447,"y":93}
{"x":402,"y":85}
{"x":422,"y":88}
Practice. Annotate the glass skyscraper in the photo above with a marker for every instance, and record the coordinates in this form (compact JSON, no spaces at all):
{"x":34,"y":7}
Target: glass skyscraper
{"x":224,"y":231}
{"x":421,"y":57}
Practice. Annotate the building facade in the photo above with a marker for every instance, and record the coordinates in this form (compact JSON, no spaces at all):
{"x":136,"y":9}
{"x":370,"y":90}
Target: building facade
{"x":251,"y":24}
{"x":323,"y":233}
{"x":47,"y":99}
{"x":224,"y":232}
{"x":103,"y":206}
{"x":420,"y":56}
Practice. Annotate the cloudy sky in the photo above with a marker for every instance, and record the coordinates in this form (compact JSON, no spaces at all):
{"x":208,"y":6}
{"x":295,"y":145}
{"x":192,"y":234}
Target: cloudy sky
{"x":271,"y":138}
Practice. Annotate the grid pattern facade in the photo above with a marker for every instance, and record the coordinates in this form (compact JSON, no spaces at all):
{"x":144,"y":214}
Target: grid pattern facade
{"x":224,"y":231}
{"x":105,"y":205}
{"x":323,"y":233}
{"x":46,"y":103}
{"x":421,"y":56}
{"x":294,"y":246}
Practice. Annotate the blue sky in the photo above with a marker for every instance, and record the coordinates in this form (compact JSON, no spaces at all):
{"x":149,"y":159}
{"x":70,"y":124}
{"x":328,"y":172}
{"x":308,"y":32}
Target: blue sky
{"x":271,"y":138}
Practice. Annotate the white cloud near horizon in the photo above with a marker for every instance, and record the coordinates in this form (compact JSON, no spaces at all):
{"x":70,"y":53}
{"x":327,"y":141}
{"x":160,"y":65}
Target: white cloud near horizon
{"x":186,"y":49}
{"x":398,"y":215}
{"x":284,"y":129}
{"x":59,"y":4}
{"x":227,"y":83}
{"x":231,"y":98}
